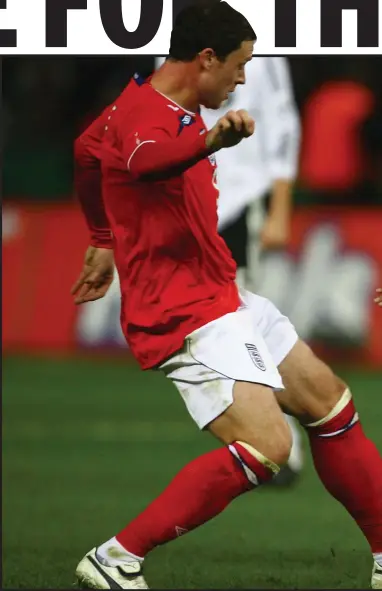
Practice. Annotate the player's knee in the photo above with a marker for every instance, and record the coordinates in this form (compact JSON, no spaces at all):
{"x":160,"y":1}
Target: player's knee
{"x":281,"y":444}
{"x":277,"y":446}
{"x":326,"y":397}
{"x":261,"y":466}
{"x":312,"y":389}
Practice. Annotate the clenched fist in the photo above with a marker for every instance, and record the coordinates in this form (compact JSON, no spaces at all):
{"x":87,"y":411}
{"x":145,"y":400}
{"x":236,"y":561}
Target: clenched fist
{"x":230,"y":130}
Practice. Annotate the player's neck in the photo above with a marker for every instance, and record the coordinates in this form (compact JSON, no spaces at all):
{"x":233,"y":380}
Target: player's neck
{"x":177,"y":81}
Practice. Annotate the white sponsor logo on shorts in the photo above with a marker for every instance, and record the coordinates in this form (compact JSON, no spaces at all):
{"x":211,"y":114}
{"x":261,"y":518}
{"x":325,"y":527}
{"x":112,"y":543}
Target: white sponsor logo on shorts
{"x":256,"y":357}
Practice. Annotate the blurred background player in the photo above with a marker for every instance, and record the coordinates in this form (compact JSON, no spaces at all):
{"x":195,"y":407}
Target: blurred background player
{"x":255,"y":181}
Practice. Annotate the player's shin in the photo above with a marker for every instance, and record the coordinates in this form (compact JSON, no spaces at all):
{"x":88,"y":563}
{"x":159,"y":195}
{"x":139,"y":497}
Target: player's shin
{"x":199,"y":492}
{"x":350,"y":467}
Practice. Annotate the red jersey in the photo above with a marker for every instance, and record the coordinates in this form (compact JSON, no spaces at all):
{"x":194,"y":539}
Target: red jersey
{"x":176,"y":272}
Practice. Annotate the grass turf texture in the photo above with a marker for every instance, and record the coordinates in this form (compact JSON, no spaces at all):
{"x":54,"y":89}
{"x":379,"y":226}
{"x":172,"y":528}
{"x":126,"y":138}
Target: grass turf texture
{"x":88,"y":444}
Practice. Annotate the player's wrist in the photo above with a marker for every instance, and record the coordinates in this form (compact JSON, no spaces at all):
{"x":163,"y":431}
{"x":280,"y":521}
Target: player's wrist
{"x":204,"y":147}
{"x":101,"y":239}
{"x":211,"y":142}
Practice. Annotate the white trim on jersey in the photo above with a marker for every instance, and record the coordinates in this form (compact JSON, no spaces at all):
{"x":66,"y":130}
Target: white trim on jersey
{"x":137,"y":148}
{"x":174,"y":104}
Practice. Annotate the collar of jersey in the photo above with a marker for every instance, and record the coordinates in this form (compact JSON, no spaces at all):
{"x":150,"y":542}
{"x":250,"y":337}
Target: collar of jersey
{"x":174,"y":103}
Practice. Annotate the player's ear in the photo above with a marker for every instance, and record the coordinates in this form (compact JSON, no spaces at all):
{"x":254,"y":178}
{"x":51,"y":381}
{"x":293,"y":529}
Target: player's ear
{"x":207,"y":58}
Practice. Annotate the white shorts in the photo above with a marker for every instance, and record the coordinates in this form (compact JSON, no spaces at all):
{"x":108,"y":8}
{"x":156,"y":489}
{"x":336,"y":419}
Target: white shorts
{"x":246,"y":346}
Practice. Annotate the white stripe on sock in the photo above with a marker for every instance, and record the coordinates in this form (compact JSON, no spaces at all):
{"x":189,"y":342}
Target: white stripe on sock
{"x":250,"y":475}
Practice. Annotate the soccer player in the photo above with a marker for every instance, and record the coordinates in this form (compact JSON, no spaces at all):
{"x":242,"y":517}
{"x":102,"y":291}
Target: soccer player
{"x":146,"y":178}
{"x":266,"y":164}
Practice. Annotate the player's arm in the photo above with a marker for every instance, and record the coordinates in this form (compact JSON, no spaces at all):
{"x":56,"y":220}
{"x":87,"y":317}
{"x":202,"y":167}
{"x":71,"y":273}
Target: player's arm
{"x":152,"y":154}
{"x":282,"y":136}
{"x":98,"y":268}
{"x":87,"y":182}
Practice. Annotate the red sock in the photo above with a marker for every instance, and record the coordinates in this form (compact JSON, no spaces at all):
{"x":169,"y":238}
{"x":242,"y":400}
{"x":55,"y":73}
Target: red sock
{"x":199,"y":492}
{"x":350,"y":468}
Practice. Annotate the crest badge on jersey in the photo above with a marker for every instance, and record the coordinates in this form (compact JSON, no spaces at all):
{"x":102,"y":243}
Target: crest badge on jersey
{"x":256,"y":357}
{"x":140,"y":80}
{"x":185,"y":121}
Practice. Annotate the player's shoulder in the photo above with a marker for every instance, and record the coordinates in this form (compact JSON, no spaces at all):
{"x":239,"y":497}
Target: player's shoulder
{"x":154,"y":109}
{"x":153,"y":113}
{"x":140,"y":104}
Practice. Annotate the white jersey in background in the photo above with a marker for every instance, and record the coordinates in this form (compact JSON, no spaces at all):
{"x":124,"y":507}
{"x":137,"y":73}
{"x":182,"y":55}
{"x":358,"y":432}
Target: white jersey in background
{"x":247,"y":171}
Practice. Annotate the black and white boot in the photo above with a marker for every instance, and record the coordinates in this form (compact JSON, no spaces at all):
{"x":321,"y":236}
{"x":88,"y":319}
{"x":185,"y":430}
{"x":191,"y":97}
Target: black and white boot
{"x":93,"y":573}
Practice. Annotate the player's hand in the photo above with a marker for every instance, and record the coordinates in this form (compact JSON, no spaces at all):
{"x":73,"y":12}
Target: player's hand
{"x":96,"y":276}
{"x":378,"y":299}
{"x":230,"y":130}
{"x":275,"y":233}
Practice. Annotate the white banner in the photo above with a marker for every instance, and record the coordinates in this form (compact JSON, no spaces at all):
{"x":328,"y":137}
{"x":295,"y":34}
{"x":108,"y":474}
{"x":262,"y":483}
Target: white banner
{"x":120,"y":27}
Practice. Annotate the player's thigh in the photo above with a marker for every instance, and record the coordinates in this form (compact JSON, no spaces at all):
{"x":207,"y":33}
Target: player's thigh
{"x":311,"y":388}
{"x":255,"y":417}
{"x":226,"y":378}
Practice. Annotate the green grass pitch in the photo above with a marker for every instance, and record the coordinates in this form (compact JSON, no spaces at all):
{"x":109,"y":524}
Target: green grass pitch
{"x":87,"y":444}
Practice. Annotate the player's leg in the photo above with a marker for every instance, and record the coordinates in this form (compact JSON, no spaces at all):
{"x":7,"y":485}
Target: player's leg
{"x":250,"y":457}
{"x":347,"y":462}
{"x":240,"y":409}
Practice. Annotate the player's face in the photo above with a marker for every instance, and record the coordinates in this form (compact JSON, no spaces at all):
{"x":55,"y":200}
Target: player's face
{"x":218,"y":78}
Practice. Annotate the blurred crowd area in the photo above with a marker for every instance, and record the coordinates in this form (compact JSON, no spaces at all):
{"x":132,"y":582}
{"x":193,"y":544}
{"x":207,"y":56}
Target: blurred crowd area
{"x":48,"y":101}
